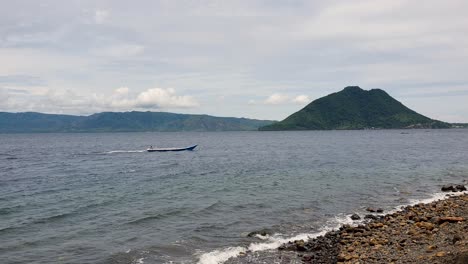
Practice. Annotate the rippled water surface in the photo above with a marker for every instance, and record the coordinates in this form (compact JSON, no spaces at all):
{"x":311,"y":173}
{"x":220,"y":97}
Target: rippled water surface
{"x":100,"y":198}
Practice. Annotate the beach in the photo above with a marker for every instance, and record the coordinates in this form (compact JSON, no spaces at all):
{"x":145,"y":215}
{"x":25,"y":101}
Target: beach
{"x":434,"y":232}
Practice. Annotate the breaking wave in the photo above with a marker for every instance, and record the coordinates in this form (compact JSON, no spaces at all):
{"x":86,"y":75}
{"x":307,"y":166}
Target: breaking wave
{"x":220,"y":256}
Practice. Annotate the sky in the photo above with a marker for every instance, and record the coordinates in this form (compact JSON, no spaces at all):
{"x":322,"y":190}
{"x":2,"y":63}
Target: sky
{"x":254,"y":59}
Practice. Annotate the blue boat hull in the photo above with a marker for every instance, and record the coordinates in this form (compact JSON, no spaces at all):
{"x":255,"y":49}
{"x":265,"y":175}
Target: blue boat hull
{"x":171,"y":149}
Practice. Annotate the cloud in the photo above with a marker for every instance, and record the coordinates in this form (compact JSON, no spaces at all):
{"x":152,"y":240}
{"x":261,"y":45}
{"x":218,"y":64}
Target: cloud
{"x":154,"y":98}
{"x":123,"y":50}
{"x":122,"y":91}
{"x":277,"y":98}
{"x":4,"y":97}
{"x":25,"y":80}
{"x":163,"y":98}
{"x":100,"y":16}
{"x":301,"y":99}
{"x":262,"y":46}
{"x":67,"y":101}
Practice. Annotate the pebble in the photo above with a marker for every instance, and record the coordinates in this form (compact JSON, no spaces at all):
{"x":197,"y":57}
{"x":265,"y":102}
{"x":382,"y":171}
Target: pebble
{"x":439,"y":228}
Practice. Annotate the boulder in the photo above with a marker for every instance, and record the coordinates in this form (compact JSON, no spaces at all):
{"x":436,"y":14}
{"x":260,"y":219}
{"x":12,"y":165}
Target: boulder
{"x":262,"y":232}
{"x":448,"y":188}
{"x":369,"y":216}
{"x":300,"y":245}
{"x":453,"y":188}
{"x":355,"y":217}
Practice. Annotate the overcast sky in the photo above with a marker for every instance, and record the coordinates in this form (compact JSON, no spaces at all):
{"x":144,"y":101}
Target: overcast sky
{"x":256,"y":59}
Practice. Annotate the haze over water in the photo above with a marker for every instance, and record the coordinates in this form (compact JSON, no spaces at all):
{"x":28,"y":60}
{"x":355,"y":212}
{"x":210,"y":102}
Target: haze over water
{"x":100,"y":198}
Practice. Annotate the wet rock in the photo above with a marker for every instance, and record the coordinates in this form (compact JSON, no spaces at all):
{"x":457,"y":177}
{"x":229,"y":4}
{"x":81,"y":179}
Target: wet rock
{"x":307,"y":258}
{"x":369,"y":216}
{"x":419,"y":234}
{"x":379,"y":210}
{"x":453,"y":188}
{"x":355,"y":217}
{"x":448,"y":188}
{"x":300,"y":245}
{"x":371,"y":209}
{"x":262,"y":232}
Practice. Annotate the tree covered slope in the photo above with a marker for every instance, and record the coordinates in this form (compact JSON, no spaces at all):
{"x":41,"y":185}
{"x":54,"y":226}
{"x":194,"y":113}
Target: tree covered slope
{"x":122,"y":122}
{"x":355,"y":108}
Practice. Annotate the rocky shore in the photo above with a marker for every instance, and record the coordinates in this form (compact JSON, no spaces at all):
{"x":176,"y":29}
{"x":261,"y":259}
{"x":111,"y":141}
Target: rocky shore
{"x":436,"y":232}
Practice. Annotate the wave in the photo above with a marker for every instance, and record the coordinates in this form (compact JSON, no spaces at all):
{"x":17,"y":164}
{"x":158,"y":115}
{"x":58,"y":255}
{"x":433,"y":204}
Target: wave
{"x":42,"y":220}
{"x":53,"y":217}
{"x":269,"y":243}
{"x":124,"y":151}
{"x":215,"y":207}
{"x":432,"y":198}
{"x":155,"y":217}
{"x":11,"y":209}
{"x":273,"y":242}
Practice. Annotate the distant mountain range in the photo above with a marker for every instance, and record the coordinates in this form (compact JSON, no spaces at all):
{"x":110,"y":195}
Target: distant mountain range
{"x":30,"y":122}
{"x":351,"y":108}
{"x":355,"y":108}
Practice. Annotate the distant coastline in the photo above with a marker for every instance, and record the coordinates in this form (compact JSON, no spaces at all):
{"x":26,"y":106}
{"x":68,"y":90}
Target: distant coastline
{"x":33,"y":122}
{"x":349,"y":109}
{"x":106,"y":122}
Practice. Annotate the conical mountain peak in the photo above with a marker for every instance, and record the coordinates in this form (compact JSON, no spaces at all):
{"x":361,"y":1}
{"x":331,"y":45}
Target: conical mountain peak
{"x":355,"y":108}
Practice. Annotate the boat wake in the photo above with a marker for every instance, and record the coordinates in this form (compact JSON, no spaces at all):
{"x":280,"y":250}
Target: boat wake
{"x":124,"y":151}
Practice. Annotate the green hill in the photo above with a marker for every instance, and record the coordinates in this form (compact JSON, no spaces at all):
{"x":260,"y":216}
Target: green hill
{"x":123,"y":122}
{"x":355,"y":108}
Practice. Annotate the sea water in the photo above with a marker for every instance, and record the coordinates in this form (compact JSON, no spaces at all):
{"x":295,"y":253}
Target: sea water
{"x":101,"y":198}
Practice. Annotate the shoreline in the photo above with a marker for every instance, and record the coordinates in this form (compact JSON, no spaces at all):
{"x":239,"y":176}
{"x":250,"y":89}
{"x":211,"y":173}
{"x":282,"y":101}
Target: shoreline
{"x":356,"y":241}
{"x":434,"y":232}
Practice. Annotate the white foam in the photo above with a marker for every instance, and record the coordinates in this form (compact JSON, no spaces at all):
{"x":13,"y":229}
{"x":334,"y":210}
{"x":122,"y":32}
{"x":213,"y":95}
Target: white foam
{"x":220,"y":256}
{"x":434,"y":197}
{"x":139,"y":261}
{"x":275,"y":241}
{"x":344,"y":220}
{"x":265,"y":237}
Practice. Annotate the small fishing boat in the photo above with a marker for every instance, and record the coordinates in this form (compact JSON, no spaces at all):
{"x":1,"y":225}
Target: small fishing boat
{"x":151,"y":149}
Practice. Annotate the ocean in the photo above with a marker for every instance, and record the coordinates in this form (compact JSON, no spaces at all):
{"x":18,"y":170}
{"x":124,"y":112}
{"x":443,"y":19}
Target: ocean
{"x":101,"y":198}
